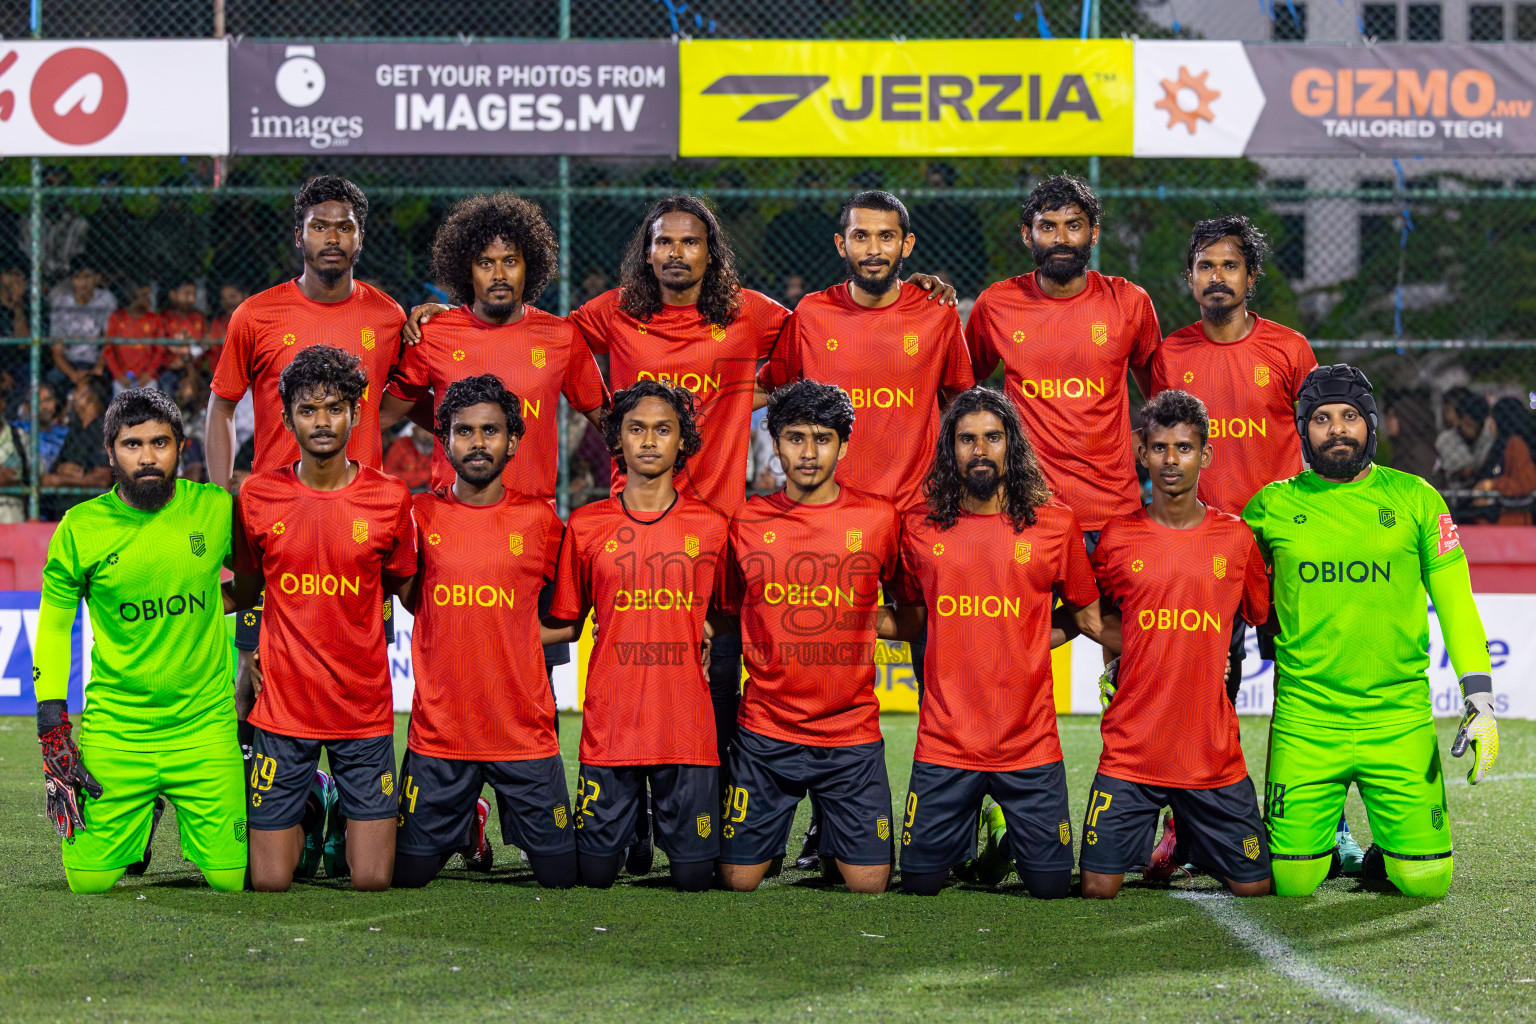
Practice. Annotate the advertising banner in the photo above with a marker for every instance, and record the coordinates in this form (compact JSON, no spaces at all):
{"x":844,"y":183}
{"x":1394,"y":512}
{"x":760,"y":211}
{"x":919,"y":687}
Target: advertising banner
{"x":574,"y":98}
{"x":989,"y":97}
{"x":116,"y":98}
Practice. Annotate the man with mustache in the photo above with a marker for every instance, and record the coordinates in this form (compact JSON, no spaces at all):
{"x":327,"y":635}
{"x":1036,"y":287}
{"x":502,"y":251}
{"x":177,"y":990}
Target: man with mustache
{"x":1353,"y":547}
{"x":482,"y":711}
{"x":983,"y":563}
{"x":146,"y":557}
{"x":1066,"y":336}
{"x":327,"y":539}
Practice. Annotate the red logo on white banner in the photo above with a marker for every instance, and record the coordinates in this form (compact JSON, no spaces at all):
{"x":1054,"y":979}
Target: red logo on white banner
{"x":1449,"y":538}
{"x":79,"y":96}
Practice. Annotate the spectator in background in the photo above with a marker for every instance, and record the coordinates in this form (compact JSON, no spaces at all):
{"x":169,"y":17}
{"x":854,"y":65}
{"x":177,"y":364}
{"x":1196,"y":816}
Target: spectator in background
{"x":13,"y":466}
{"x":799,"y":239}
{"x":82,"y":460}
{"x":593,"y":284}
{"x":1464,"y":444}
{"x":230,"y":297}
{"x":409,"y":458}
{"x":951,"y":232}
{"x":793,"y":291}
{"x":1408,"y":426}
{"x":79,"y":308}
{"x":51,"y":426}
{"x":13,"y":303}
{"x":192,"y":397}
{"x":765,"y":474}
{"x":182,"y":320}
{"x":1509,"y":470}
{"x":133,"y":366}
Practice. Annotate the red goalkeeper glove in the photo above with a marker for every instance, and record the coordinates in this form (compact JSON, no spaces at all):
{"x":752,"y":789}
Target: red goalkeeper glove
{"x":64,"y":775}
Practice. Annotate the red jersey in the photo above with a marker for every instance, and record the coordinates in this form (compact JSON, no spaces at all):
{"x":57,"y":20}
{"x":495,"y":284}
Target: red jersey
{"x":271,"y":327}
{"x":988,"y":700}
{"x":679,"y":347}
{"x":481,"y":692}
{"x":806,"y":581}
{"x":538,"y":358}
{"x":1171,"y":723}
{"x":892,"y":361}
{"x":188,"y":326}
{"x":406,"y":463}
{"x":648,"y":582}
{"x":1064,"y":366}
{"x":143,"y":361}
{"x":323,"y":555}
{"x":1249,"y":387}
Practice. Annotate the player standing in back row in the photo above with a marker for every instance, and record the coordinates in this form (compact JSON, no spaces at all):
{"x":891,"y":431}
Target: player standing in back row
{"x":1066,"y":336}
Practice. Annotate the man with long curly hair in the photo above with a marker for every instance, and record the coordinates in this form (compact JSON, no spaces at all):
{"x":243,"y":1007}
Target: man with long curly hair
{"x":983,"y":563}
{"x":643,"y":562}
{"x":494,"y":255}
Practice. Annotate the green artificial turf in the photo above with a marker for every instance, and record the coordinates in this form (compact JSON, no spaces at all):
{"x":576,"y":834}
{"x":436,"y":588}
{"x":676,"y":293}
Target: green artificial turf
{"x":498,"y":948}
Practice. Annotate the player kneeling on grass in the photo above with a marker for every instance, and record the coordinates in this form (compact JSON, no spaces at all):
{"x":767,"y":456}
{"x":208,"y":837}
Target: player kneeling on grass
{"x":1352,"y":548}
{"x":327,"y":538}
{"x":807,"y":564}
{"x":146,"y":557}
{"x":644,"y":562}
{"x":482,"y":711}
{"x":1173,"y":575}
{"x":982,"y":565}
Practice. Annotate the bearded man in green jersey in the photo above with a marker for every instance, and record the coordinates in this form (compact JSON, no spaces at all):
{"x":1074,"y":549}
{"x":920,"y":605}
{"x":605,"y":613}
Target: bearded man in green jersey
{"x":160,"y":709}
{"x":1352,"y":548}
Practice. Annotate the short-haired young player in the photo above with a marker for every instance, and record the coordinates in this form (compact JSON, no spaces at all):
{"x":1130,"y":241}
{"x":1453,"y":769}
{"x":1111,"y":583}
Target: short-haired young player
{"x":807,"y":566}
{"x":160,"y":714}
{"x":983,"y":564}
{"x":1173,"y":576}
{"x":328,"y":538}
{"x":1353,"y":547}
{"x":482,"y":711}
{"x":643,"y":562}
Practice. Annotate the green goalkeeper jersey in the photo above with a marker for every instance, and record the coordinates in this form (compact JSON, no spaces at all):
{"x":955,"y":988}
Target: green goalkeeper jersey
{"x":162,"y":671}
{"x":1350,"y":564}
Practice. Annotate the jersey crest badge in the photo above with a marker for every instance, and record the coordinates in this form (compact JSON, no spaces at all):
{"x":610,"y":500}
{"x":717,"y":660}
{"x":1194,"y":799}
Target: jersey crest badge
{"x":691,"y":548}
{"x":387,"y":783}
{"x":1449,"y":538}
{"x":1099,"y":333}
{"x":1251,"y":847}
{"x":359,"y":530}
{"x":1437,"y":817}
{"x":239,"y":830}
{"x":1064,"y":831}
{"x":1219,"y":566}
{"x":367,"y":339}
{"x":702,"y":821}
{"x":716,"y":332}
{"x":515,"y":543}
{"x":1386,"y":517}
{"x":855,"y":540}
{"x":199,"y":544}
{"x":909,"y":344}
{"x":1261,"y":376}
{"x":560,"y":817}
{"x":1022,"y":549}
{"x":538,"y":358}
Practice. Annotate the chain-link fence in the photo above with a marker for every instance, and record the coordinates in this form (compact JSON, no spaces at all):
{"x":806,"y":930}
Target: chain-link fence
{"x":1411,"y":268}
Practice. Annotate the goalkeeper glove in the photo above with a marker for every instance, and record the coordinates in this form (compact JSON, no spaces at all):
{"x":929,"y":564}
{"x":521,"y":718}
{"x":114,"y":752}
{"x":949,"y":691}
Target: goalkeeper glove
{"x":64,"y":776}
{"x":1481,"y":732}
{"x":1108,"y":683}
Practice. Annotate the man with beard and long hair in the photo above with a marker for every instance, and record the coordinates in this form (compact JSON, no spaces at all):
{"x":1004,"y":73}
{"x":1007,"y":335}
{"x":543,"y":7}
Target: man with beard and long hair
{"x":1352,"y":548}
{"x":482,"y":711}
{"x":982,"y":565}
{"x":160,"y":723}
{"x":1066,"y":336}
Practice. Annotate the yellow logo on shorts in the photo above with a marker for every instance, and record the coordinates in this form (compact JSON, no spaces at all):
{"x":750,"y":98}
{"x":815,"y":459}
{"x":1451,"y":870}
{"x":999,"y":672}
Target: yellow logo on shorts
{"x":1091,"y":837}
{"x":854,"y":540}
{"x":387,"y":783}
{"x":1261,"y":375}
{"x":906,"y":839}
{"x":909,"y":344}
{"x":367,"y":338}
{"x":1251,"y":847}
{"x":1064,"y":830}
{"x":1099,"y":332}
{"x":728,"y":832}
{"x":702,"y":821}
{"x":515,"y":543}
{"x":538,"y":358}
{"x":883,"y":828}
{"x":691,"y":545}
{"x":1219,"y":566}
{"x":1021,"y":551}
{"x":560,"y":816}
{"x":359,"y":530}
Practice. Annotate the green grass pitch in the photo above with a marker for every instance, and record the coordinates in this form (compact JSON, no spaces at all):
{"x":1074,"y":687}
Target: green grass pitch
{"x":471,"y":948}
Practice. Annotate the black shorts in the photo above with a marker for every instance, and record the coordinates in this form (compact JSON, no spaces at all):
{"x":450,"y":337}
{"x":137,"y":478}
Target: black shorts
{"x":1218,"y":829}
{"x":437,"y":803}
{"x":1091,"y":539}
{"x":944,"y":805}
{"x":283,"y":767}
{"x":769,"y":778}
{"x":248,"y":624}
{"x":683,"y":796}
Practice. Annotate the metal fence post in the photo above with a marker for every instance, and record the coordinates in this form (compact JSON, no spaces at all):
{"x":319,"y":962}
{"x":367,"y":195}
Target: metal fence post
{"x":35,"y":348}
{"x":1091,"y":31}
{"x":562,"y":416}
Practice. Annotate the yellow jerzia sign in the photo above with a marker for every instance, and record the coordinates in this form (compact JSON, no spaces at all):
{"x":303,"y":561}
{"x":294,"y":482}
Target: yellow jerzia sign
{"x":990,"y":97}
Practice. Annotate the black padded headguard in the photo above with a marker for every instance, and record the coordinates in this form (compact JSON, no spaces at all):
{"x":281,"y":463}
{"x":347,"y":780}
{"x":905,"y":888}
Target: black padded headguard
{"x":1337,"y":383}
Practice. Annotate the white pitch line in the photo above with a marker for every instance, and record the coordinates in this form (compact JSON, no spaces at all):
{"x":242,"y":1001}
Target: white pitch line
{"x":1286,"y":962}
